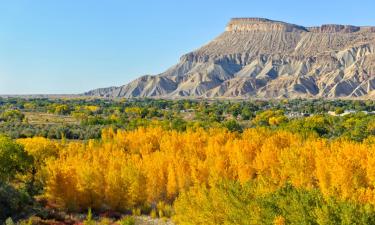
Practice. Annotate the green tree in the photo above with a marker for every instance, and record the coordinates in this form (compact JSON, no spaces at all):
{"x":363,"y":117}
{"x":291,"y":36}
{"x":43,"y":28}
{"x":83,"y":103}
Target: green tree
{"x":269,"y":117}
{"x":13,"y":159}
{"x":339,"y":111}
{"x":62,"y":109}
{"x":12,"y":115}
{"x":232,"y":125}
{"x":246,"y":114}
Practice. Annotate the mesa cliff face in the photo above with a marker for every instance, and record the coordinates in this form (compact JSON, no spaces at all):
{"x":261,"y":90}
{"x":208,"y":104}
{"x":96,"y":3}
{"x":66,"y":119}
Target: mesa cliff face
{"x":262,"y":58}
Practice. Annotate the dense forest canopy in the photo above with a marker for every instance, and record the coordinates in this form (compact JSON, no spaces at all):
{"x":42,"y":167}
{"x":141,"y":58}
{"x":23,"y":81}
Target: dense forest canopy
{"x":84,"y":119}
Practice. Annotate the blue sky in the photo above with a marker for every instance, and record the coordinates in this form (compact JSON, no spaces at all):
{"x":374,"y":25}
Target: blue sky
{"x":71,"y":46}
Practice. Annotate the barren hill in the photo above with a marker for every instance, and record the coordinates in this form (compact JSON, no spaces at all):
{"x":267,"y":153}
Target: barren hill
{"x":263,"y":58}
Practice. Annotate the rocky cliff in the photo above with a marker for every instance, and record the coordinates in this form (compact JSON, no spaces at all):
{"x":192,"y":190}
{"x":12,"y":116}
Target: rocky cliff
{"x":263,"y":58}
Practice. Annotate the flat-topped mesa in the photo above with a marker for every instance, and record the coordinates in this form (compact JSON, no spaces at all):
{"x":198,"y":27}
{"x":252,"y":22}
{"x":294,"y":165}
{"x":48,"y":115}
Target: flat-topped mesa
{"x":338,"y":28}
{"x":334,"y":28}
{"x":265,"y":25}
{"x":261,"y":24}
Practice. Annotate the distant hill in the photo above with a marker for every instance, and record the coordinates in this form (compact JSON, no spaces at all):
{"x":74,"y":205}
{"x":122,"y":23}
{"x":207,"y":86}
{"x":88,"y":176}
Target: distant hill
{"x":263,"y":58}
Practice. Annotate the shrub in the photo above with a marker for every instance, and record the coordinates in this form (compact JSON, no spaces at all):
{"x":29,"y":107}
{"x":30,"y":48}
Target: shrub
{"x":13,"y":159}
{"x":89,"y":219}
{"x":127,"y":220}
{"x":13,"y":202}
{"x":153,"y":214}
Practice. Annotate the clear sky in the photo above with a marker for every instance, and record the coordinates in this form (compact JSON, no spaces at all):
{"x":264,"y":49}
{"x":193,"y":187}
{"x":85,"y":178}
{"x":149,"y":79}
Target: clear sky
{"x":71,"y":46}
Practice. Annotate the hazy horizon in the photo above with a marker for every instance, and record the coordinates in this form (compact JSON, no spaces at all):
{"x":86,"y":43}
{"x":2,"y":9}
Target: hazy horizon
{"x":71,"y":47}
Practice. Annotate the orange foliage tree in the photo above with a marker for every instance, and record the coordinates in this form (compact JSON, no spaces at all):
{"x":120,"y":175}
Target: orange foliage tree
{"x":128,"y":169}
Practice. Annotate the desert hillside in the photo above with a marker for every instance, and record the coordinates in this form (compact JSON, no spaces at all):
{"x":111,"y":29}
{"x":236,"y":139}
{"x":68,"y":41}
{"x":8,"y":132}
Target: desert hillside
{"x":262,"y":58}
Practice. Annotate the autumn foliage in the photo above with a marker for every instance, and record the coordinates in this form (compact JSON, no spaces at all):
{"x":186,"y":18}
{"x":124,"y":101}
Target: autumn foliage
{"x":148,"y":165}
{"x":130,"y":169}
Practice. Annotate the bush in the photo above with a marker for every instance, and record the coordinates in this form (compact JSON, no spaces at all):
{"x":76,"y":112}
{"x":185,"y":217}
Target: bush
{"x":127,"y":220}
{"x":13,"y":203}
{"x":89,"y":219}
{"x":232,"y":125}
{"x":153,"y":214}
{"x":12,"y":116}
{"x":229,"y":202}
{"x":164,"y":210}
{"x":13,"y":159}
{"x":136,"y":212}
{"x":9,"y":221}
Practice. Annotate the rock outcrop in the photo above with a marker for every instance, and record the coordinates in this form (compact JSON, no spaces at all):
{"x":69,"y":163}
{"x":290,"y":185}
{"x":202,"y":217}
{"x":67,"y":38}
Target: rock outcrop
{"x":262,"y":58}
